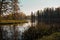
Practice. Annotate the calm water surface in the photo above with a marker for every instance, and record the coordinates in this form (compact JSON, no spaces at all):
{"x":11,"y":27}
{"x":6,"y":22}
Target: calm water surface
{"x":14,"y":31}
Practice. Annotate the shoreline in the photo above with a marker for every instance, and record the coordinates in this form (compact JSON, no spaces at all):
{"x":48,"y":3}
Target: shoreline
{"x":12,"y":21}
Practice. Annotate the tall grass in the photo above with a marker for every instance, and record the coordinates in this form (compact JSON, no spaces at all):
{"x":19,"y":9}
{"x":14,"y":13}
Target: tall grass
{"x":40,"y":30}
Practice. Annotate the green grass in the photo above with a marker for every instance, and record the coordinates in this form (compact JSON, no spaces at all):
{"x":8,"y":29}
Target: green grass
{"x":12,"y":21}
{"x":53,"y":36}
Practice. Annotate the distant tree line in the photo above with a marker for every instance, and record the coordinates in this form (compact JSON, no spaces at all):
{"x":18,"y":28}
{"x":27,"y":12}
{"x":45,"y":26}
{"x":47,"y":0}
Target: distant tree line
{"x":48,"y":15}
{"x":16,"y":16}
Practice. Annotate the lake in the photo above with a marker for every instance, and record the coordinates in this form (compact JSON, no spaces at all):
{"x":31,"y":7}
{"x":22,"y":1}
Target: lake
{"x":14,"y":31}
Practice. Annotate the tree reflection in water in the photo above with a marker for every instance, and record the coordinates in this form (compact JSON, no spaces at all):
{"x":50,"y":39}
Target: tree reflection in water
{"x":13,"y":32}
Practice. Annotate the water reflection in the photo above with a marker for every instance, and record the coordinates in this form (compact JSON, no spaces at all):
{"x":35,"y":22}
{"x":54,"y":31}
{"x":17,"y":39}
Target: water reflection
{"x":14,"y":32}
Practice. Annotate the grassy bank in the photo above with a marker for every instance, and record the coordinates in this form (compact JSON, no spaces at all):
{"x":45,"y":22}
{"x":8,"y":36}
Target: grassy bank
{"x":53,"y":36}
{"x":43,"y":31}
{"x":12,"y":21}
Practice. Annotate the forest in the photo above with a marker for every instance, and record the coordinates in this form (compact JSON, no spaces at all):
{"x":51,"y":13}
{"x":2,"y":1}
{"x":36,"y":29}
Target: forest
{"x":10,"y":11}
{"x":47,"y":27}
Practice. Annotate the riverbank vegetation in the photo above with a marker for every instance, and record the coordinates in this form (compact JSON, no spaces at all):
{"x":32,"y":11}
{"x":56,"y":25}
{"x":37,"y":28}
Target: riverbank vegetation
{"x":10,"y":14}
{"x":47,"y":27}
{"x":13,"y":18}
{"x":12,"y":21}
{"x":42,"y":30}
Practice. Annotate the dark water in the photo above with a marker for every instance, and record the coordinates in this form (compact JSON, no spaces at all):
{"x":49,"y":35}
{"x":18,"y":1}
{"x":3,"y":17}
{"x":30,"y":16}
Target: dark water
{"x":14,"y":31}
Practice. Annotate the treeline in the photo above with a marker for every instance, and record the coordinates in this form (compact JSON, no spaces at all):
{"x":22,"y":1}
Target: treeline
{"x":48,"y":15}
{"x":16,"y":16}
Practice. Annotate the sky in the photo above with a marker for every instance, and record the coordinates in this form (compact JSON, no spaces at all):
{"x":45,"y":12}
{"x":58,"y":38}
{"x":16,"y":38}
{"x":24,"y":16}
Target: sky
{"x":28,"y":6}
